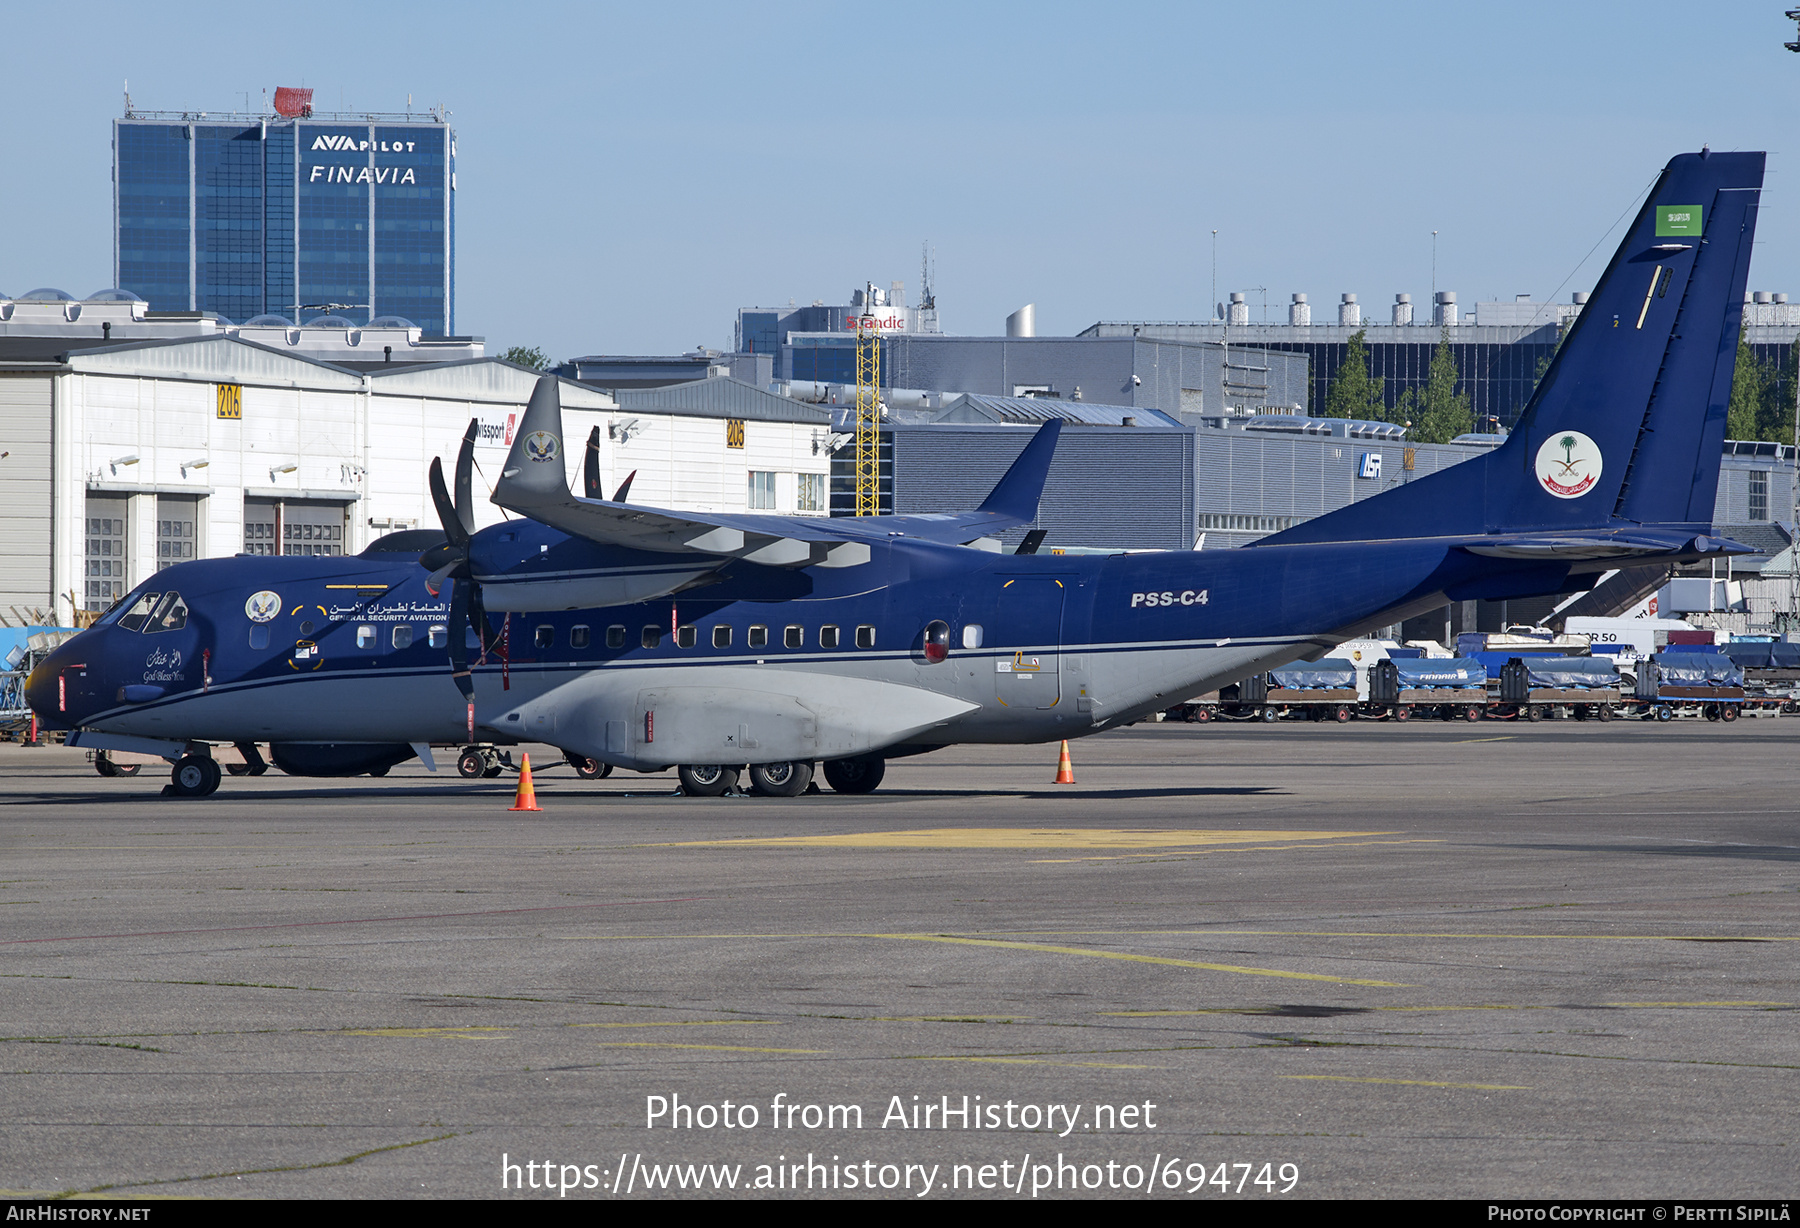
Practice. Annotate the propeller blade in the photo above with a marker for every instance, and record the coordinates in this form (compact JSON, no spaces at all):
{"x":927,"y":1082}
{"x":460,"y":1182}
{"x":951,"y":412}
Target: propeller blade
{"x":624,"y":488}
{"x":465,"y":462}
{"x":446,"y":510}
{"x":459,"y":639}
{"x":435,"y":581}
{"x":590,"y":469}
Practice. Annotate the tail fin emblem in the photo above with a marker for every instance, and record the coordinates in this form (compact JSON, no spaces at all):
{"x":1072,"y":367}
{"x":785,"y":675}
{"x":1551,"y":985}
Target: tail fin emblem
{"x":1568,"y":464}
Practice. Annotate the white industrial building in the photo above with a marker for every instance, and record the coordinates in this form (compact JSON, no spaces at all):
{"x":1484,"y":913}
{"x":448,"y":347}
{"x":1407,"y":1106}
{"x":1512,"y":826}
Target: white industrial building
{"x":117,"y":460}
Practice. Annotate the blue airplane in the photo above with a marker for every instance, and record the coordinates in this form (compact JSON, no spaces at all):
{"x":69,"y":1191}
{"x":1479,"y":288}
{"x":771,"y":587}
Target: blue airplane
{"x":647,"y":639}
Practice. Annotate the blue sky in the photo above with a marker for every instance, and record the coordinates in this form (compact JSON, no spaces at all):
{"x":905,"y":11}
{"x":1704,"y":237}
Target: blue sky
{"x":630,"y":176}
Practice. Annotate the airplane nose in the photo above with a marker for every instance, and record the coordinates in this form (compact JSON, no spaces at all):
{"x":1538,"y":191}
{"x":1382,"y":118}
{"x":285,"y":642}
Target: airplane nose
{"x":43,"y":689}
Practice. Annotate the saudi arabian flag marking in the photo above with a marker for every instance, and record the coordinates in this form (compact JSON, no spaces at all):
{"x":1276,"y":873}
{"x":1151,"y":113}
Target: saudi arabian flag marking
{"x":1675,"y":221}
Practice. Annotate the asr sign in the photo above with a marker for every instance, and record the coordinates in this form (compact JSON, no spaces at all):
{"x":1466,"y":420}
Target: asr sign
{"x":231,"y":401}
{"x":734,"y":432}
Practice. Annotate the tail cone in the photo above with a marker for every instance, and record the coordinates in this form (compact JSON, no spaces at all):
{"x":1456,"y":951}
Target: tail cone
{"x":527,"y":798}
{"x":1065,"y":771}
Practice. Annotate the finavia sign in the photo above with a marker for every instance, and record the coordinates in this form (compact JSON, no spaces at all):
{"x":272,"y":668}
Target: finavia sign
{"x":362,"y":174}
{"x":351,"y":144}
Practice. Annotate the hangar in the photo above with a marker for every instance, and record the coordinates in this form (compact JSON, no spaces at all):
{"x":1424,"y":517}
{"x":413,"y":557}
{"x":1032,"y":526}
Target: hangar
{"x":122,"y":459}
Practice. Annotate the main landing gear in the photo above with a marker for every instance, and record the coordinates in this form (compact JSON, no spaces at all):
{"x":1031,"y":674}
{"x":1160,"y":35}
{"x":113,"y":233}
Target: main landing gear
{"x":858,"y":775}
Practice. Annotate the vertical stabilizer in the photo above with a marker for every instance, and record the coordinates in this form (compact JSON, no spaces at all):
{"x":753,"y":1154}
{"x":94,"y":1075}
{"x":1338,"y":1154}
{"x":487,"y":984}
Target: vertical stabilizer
{"x":1626,"y":425}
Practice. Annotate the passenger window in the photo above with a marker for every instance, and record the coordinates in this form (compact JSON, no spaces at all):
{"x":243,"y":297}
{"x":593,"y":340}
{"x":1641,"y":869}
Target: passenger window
{"x":684,"y":636}
{"x":615,"y":636}
{"x":545,"y":637}
{"x":171,"y":614}
{"x":721,"y":636}
{"x":757,"y":636}
{"x":794,"y":637}
{"x":440,"y":637}
{"x":865,"y":636}
{"x":259,"y":636}
{"x":578,"y":637}
{"x":365,"y":637}
{"x":402,"y":637}
{"x":828,"y":636}
{"x":652,"y":636}
{"x":972,"y":635}
{"x":135,"y":618}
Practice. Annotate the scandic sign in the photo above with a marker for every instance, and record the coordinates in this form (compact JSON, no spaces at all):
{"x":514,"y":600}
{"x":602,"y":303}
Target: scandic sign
{"x":876,"y":322}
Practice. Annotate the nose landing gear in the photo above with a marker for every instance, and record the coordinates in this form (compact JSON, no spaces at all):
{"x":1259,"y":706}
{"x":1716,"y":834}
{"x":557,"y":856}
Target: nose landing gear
{"x":194,"y":776}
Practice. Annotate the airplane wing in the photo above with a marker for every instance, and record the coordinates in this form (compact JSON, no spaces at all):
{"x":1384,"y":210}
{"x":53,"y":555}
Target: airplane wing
{"x":533,"y":483}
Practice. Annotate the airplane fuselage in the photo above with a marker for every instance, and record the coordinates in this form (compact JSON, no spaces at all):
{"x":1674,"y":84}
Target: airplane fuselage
{"x":1038,"y":647}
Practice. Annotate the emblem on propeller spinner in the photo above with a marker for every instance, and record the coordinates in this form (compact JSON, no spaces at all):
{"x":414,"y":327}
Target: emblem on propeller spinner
{"x":262,"y":606}
{"x":542,"y":446}
{"x":1568,"y":464}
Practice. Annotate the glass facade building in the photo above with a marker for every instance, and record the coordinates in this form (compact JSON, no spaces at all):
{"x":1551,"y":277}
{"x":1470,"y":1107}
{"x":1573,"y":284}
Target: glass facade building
{"x":260,"y":216}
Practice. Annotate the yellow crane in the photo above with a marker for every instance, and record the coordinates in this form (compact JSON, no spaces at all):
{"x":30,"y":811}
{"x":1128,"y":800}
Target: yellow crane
{"x":868,"y":415}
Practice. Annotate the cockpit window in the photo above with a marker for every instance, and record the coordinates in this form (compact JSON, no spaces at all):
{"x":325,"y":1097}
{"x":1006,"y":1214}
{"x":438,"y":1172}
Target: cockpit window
{"x":134,"y":618}
{"x":171,"y":615}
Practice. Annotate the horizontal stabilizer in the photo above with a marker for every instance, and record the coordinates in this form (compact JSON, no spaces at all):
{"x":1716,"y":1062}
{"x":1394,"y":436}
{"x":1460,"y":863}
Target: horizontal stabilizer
{"x":534,"y":483}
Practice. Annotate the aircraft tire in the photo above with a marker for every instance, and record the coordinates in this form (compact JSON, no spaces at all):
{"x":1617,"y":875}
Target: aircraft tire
{"x":238,"y":769}
{"x":105,"y":766}
{"x":707,"y":779}
{"x":470,"y":764}
{"x":195,"y":776}
{"x":588,"y":769}
{"x":781,"y":779}
{"x":859,"y":775}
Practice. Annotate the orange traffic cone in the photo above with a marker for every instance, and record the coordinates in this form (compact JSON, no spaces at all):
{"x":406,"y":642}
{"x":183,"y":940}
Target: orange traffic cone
{"x":527,"y":798}
{"x":1065,"y":771}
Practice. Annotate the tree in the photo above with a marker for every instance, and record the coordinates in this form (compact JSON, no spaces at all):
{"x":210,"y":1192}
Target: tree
{"x":1762,"y":398}
{"x":1440,"y":413}
{"x":1354,"y":393}
{"x":527,"y":356}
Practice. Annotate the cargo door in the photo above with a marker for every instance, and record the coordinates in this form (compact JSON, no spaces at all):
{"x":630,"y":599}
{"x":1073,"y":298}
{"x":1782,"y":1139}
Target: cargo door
{"x":1028,"y":619}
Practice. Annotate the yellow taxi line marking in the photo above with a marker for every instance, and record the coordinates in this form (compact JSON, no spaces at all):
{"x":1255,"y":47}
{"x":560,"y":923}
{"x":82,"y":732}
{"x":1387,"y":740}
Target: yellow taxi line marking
{"x":944,"y":1018}
{"x":1467,"y":741}
{"x":1538,"y":937}
{"x":1235,"y":848}
{"x":651,"y":1044}
{"x":1028,"y":838}
{"x":676,"y":1023}
{"x":457,"y":1033}
{"x":1017,"y":1061}
{"x":1140,"y":959}
{"x":1700,"y":1003}
{"x":1479,"y":1087}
